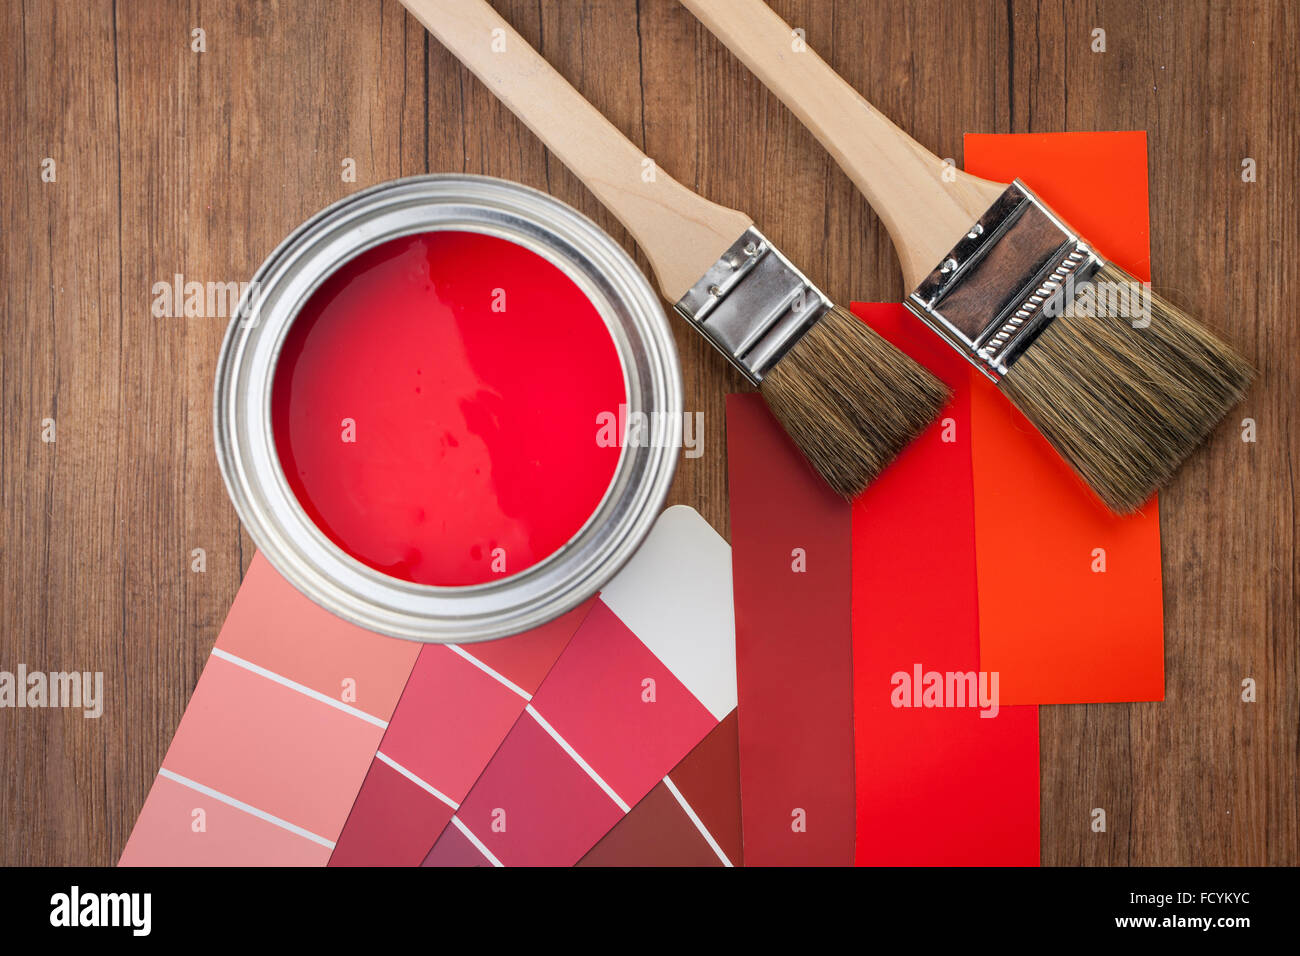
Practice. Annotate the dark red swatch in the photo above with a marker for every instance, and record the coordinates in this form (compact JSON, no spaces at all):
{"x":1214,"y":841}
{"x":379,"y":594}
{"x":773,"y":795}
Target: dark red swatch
{"x":661,"y":831}
{"x":791,"y":541}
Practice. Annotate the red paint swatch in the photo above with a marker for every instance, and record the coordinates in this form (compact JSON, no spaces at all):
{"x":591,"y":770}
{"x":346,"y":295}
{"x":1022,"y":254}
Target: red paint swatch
{"x":690,"y":818}
{"x":647,"y":676}
{"x":936,"y":785}
{"x":657,"y":832}
{"x":792,"y":540}
{"x":1079,"y":634}
{"x":536,"y":804}
{"x":455,"y":849}
{"x":599,"y":698}
{"x":393,"y":817}
{"x":435,"y":408}
{"x":458,"y":706}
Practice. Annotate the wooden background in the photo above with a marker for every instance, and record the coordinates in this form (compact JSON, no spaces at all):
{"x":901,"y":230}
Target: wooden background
{"x":171,"y":162}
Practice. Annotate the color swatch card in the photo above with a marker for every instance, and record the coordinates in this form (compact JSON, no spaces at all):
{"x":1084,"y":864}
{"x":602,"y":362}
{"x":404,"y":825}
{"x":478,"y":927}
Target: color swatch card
{"x":792,"y":545}
{"x":947,"y":773}
{"x":647,"y":676}
{"x":1090,"y":627}
{"x":275,"y":742}
{"x":690,"y":818}
{"x":459,"y":704}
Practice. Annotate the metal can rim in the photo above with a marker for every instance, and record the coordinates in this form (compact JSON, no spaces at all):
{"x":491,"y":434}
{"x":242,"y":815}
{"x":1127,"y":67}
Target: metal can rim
{"x":267,"y":506}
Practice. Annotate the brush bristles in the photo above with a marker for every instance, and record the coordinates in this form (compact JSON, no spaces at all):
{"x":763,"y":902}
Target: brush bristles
{"x":1126,"y":406}
{"x":850,"y":400}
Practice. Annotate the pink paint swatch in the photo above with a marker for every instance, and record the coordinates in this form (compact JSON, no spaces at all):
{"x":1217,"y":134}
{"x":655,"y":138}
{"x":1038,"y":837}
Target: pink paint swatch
{"x":180,"y":826}
{"x":221,"y":742}
{"x":273,"y":625}
{"x":278,"y":764}
{"x":453,"y":715}
{"x":646,"y":677}
{"x":277,"y":737}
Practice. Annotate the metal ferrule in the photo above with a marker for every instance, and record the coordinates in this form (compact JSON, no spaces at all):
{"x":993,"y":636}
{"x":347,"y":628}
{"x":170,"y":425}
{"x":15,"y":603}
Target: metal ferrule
{"x":1004,"y":282}
{"x":753,"y":305}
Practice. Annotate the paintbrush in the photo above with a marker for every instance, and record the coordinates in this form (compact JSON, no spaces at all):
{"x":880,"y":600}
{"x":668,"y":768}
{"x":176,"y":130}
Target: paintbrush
{"x":848,"y":399}
{"x":1124,"y":384}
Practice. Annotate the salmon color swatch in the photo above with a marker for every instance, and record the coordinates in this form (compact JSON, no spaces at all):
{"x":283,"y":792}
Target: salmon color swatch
{"x":277,"y":738}
{"x":1069,"y":594}
{"x":166,"y":834}
{"x":648,"y":674}
{"x":436,"y":408}
{"x":222,"y":742}
{"x":690,"y":818}
{"x":273,"y":625}
{"x":459,"y":704}
{"x":792,"y":539}
{"x":942,"y":778}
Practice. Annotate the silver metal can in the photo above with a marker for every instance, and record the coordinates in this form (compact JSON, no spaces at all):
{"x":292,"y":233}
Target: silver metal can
{"x":271,"y":512}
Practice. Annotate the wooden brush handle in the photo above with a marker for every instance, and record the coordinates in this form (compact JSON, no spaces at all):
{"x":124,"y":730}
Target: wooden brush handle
{"x":903,"y":181}
{"x":682,"y":234}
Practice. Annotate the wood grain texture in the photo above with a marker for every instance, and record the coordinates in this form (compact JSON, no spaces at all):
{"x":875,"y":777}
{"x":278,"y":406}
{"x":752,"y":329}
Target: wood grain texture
{"x":170,"y":161}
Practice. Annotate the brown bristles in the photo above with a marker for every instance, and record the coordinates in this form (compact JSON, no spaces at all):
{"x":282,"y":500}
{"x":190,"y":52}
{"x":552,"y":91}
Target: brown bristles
{"x":1123,"y":405}
{"x":850,"y":400}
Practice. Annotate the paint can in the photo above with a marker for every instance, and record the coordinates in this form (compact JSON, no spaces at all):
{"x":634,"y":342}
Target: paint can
{"x":246,"y":439}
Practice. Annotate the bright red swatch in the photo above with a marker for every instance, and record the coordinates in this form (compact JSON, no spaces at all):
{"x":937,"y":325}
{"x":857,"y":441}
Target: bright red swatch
{"x":436,"y":404}
{"x":935,"y":785}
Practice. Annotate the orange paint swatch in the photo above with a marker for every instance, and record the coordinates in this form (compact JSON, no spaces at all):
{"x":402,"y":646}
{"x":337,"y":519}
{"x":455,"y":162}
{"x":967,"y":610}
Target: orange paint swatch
{"x":1057,"y":627}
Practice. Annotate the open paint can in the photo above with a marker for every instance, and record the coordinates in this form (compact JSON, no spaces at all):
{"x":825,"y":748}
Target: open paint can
{"x":448,"y":408}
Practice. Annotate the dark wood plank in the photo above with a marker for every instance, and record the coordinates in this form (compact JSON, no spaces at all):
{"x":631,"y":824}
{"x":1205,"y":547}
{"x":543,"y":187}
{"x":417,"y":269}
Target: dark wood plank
{"x":63,"y":603}
{"x":170,"y":161}
{"x":1201,"y":778}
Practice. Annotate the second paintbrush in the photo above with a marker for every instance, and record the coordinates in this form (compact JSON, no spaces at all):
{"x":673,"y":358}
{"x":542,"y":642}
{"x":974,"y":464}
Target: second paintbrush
{"x":1123,"y":383}
{"x":848,"y":399}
